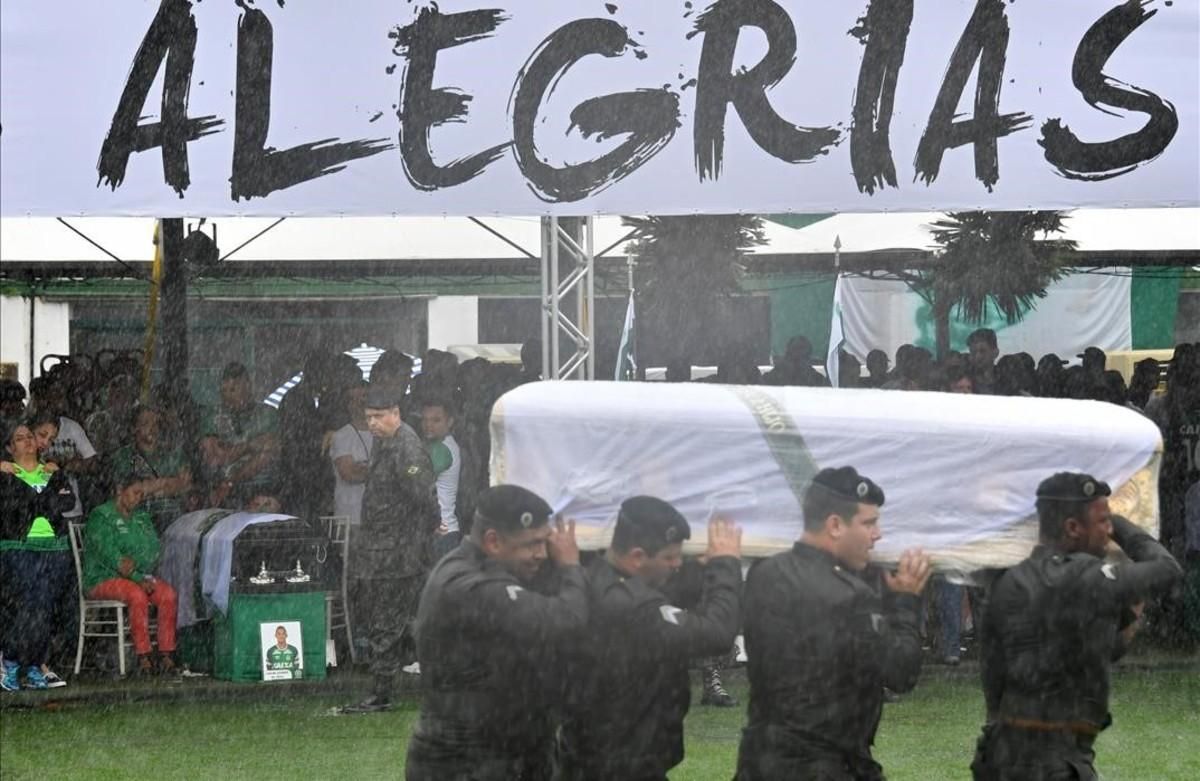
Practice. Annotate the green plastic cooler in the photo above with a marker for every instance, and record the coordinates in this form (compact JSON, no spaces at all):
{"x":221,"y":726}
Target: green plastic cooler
{"x":237,"y":635}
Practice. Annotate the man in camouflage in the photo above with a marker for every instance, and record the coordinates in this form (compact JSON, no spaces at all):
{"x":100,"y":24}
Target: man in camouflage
{"x":390,"y":549}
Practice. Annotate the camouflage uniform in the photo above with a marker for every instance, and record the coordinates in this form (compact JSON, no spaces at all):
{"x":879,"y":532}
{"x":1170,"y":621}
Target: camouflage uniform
{"x":390,"y":549}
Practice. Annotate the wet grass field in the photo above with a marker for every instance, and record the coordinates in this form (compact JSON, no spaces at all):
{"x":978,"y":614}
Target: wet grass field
{"x":929,"y":735}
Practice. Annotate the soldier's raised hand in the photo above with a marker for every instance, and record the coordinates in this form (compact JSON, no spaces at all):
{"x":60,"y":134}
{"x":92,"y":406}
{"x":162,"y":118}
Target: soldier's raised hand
{"x":1128,"y":633}
{"x":912,"y":574}
{"x":724,"y":539}
{"x":561,"y":545}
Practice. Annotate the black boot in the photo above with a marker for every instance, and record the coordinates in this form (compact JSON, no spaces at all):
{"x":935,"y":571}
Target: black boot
{"x":379,"y":701}
{"x":372,"y":704}
{"x":714,"y":691}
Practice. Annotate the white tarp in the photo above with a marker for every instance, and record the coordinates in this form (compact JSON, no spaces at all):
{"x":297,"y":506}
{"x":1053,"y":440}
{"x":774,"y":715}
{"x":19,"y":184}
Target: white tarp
{"x":178,"y":108}
{"x":1093,"y":230}
{"x":960,"y":472}
{"x":1079,"y":311}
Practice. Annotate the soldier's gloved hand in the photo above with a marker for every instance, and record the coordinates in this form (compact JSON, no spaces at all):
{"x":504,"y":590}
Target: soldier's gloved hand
{"x":724,"y":539}
{"x":912,"y":574}
{"x":562,"y":547}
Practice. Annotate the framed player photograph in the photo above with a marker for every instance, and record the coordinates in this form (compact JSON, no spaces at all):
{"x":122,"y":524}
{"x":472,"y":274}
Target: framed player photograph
{"x":282,"y":650}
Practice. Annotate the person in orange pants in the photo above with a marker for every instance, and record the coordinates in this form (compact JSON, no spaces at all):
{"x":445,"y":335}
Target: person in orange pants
{"x":121,"y":550}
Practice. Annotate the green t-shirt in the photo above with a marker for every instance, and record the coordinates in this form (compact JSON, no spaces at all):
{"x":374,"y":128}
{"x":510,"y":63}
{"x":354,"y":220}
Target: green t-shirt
{"x":440,"y":455}
{"x":284,"y":659}
{"x":241,"y":426}
{"x":164,"y":462}
{"x":236,"y":427}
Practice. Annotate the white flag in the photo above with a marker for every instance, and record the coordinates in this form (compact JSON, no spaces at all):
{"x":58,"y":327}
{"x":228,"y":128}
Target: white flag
{"x":626,"y":353}
{"x":837,"y":337}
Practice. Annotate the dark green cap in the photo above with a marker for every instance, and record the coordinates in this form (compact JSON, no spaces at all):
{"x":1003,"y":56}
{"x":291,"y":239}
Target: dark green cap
{"x":511,"y":508}
{"x":650,"y":523}
{"x":1073,"y":487}
{"x":847,"y":483}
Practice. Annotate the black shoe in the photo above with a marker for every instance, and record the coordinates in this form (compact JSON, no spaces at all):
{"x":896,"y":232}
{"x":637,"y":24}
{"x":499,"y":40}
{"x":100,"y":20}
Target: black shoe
{"x":714,"y":691}
{"x":371,"y":704}
{"x":166,"y":665}
{"x":145,"y":666}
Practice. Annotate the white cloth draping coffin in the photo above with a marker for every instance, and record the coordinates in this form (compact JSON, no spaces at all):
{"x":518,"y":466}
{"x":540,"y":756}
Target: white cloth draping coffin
{"x":960,"y":472}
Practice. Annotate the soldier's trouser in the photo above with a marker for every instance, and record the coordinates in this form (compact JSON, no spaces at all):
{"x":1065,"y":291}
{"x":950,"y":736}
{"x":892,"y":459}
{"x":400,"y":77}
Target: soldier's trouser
{"x":1191,"y":598}
{"x":571,"y":774}
{"x":446,"y":543}
{"x":438,"y":761}
{"x":389,"y":605}
{"x":570,"y":768}
{"x":1013,"y":754}
{"x":771,"y":753}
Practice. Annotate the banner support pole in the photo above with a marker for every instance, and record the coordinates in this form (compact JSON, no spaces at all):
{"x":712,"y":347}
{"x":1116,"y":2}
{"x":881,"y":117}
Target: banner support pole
{"x":572,"y":237}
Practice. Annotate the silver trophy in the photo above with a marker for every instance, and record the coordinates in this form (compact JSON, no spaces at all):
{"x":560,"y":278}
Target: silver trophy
{"x":263,"y":578}
{"x":298,"y":575}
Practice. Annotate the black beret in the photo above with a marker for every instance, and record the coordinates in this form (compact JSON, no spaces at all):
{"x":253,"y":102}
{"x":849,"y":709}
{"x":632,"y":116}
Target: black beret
{"x":511,"y":508}
{"x":654,"y":521}
{"x":380,"y":396}
{"x":848,"y":483}
{"x":1072,"y":487}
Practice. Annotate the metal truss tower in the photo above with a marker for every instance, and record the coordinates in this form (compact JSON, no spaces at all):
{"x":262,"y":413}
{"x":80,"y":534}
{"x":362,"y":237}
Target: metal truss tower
{"x":568,"y":270}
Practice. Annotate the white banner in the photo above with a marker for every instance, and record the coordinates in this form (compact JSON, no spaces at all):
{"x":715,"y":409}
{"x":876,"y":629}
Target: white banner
{"x":1079,"y":311}
{"x":137,"y":107}
{"x":960,"y":472}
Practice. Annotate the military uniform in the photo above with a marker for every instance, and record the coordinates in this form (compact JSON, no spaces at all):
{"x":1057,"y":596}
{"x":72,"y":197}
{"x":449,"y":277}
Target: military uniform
{"x":823,"y":642}
{"x":629,"y":686}
{"x":487,"y":644}
{"x":390,"y":549}
{"x":1050,"y":633}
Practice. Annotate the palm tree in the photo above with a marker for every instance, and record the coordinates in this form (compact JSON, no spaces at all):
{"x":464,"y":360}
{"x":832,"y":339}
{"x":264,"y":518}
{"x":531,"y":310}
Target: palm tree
{"x":687,"y":266}
{"x":1004,"y":260}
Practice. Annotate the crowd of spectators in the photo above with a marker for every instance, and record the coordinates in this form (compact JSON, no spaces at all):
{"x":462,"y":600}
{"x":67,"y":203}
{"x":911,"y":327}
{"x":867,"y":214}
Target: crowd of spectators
{"x":88,"y":447}
{"x":137,"y":461}
{"x":981,"y":369}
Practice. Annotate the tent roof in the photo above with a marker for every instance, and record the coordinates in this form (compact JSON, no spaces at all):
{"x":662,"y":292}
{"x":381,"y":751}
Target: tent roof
{"x":35,"y":240}
{"x":299,"y":239}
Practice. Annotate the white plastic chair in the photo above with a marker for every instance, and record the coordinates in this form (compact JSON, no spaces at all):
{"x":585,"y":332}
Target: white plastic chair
{"x":337,"y":603}
{"x":97,"y":617}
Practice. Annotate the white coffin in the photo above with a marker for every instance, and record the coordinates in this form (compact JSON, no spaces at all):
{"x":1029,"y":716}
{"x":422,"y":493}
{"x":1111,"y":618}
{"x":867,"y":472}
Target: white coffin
{"x":960,"y":472}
